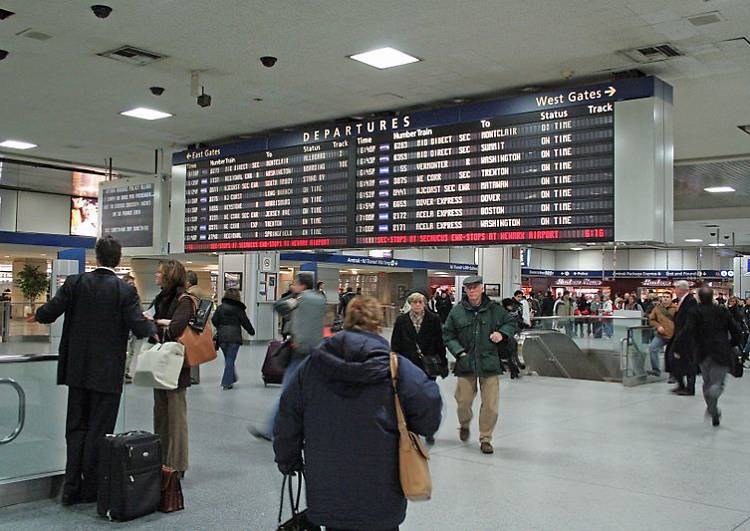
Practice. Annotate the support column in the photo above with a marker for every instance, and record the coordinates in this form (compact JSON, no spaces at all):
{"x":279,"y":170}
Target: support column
{"x":501,"y":265}
{"x":144,"y":271}
{"x":419,"y":280}
{"x":330,"y":275}
{"x":259,"y":274}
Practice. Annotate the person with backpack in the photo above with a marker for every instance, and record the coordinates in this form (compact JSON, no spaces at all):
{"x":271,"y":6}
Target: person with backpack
{"x":229,"y":319}
{"x":100,"y":310}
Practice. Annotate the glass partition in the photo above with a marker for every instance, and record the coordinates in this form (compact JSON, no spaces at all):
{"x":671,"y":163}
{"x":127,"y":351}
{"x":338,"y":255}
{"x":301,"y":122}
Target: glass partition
{"x":39,"y":447}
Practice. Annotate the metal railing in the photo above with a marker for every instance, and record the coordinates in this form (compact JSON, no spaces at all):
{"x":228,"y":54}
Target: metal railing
{"x":21,"y":409}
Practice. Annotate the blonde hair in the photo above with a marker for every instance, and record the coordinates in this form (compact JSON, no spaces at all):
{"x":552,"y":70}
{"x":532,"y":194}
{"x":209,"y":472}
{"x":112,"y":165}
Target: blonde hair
{"x":364,"y":314}
{"x":414,"y":297}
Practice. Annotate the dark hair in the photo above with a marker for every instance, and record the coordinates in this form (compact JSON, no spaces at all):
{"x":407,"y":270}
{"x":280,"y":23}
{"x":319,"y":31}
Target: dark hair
{"x":172,"y":275}
{"x":320,"y":283}
{"x":232,"y":293}
{"x":517,"y":292}
{"x":108,"y":251}
{"x":706,"y":295}
{"x":306,"y":279}
{"x":191,"y":278}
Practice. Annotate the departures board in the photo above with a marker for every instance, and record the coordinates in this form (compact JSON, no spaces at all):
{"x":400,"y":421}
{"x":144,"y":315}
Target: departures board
{"x":537,"y":168}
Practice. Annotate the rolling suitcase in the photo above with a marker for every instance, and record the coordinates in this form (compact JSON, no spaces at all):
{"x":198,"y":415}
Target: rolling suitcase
{"x":273,"y":369}
{"x":130,"y":475}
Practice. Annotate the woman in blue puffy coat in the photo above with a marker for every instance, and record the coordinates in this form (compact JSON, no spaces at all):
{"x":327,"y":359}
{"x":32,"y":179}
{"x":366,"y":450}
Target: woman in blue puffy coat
{"x":339,"y":407}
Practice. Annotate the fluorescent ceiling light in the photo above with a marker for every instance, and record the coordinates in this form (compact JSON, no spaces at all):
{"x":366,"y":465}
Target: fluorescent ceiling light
{"x":17,"y":144}
{"x":576,"y":248}
{"x":384,"y":58}
{"x":717,"y":244}
{"x":719,"y":189}
{"x":146,"y":114}
{"x":694,"y":240}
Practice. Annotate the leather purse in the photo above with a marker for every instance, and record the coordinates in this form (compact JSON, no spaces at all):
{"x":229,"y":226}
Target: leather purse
{"x":413,"y":467}
{"x":431,"y":364}
{"x":198,"y":336}
{"x":299,"y":520}
{"x":171,"y":491}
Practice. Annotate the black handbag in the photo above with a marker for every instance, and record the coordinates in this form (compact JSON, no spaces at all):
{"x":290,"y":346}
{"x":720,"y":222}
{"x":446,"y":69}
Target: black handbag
{"x":737,"y":368}
{"x":432,"y":365}
{"x":299,"y":520}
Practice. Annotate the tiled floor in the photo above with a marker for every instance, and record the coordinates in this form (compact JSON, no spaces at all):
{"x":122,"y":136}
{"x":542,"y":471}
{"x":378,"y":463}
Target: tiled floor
{"x":570,"y":455}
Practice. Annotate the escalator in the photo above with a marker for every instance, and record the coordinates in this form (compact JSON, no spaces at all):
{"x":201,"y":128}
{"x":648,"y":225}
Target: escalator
{"x":552,"y":353}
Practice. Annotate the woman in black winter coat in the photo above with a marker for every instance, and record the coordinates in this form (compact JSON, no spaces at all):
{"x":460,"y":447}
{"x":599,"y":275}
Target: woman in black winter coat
{"x":418,"y":334}
{"x":229,"y":319}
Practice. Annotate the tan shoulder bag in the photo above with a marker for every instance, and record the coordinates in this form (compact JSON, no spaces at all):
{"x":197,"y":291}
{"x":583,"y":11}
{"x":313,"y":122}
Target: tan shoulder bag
{"x":413,"y":468}
{"x":199,"y":345}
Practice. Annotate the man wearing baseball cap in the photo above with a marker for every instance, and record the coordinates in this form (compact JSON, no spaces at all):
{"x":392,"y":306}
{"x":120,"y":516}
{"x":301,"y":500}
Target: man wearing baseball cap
{"x":474,"y":331}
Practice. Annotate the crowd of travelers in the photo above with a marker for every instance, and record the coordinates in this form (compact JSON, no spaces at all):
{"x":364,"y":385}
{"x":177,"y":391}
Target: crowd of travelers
{"x":336,"y":409}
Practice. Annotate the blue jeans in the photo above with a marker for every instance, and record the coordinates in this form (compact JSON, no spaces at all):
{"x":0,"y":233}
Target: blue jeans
{"x":290,"y":370}
{"x":655,"y":349}
{"x":230,"y":351}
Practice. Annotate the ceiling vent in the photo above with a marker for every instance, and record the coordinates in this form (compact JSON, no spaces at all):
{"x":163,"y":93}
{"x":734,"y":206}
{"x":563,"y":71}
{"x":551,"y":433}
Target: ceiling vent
{"x":132,"y":56}
{"x":705,"y":19}
{"x":653,"y":54}
{"x":33,"y":34}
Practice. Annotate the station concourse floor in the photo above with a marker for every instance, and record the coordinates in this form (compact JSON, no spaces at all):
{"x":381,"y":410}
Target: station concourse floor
{"x":569,"y":455}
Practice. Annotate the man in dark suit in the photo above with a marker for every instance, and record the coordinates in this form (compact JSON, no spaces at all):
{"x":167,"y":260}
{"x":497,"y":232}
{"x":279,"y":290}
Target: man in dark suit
{"x":682,"y":347}
{"x":100,"y":310}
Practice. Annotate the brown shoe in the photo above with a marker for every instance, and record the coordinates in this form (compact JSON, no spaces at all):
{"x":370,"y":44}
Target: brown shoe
{"x":486,"y":448}
{"x":463,"y":434}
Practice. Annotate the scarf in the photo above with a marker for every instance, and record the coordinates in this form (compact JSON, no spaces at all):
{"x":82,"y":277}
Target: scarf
{"x":416,"y":320}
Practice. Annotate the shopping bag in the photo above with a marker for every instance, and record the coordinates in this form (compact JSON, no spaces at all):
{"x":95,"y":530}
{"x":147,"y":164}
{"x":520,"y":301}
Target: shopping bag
{"x":159,"y":367}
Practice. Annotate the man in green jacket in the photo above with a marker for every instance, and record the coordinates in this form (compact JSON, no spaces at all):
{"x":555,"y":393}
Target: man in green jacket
{"x":474,"y":331}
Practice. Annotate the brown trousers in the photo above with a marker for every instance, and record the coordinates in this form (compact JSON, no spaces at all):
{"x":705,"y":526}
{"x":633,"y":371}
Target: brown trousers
{"x":170,"y":424}
{"x":466,"y":390}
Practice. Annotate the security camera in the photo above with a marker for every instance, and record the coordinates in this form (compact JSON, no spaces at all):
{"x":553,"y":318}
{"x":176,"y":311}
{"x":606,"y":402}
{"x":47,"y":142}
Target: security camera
{"x":204,"y":100}
{"x":101,"y":11}
{"x":268,"y":61}
{"x":3,"y":54}
{"x":157,"y":91}
{"x":712,"y":234}
{"x":726,"y":236}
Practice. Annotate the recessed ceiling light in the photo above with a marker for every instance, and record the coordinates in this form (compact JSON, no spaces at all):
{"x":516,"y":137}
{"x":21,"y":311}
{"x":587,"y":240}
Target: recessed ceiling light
{"x":384,"y":58}
{"x":17,"y":144}
{"x":717,"y":244}
{"x":146,"y":114}
{"x":719,"y":189}
{"x":693,"y":240}
{"x":576,"y":248}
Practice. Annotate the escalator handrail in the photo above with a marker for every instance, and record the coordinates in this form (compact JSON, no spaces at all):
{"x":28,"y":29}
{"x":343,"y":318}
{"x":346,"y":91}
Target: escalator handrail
{"x":21,"y":409}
